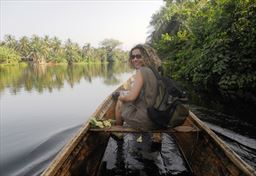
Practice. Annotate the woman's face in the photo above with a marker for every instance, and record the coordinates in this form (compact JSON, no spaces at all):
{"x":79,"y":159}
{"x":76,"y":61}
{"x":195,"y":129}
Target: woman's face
{"x":136,"y":59}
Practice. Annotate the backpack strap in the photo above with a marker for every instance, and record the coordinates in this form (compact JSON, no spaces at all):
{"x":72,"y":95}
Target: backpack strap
{"x":157,"y":75}
{"x":159,"y":78}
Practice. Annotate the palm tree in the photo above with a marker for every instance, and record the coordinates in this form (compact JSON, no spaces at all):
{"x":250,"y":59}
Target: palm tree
{"x":56,"y":52}
{"x":24,"y":47}
{"x":110,"y":45}
{"x":87,"y":52}
{"x":10,"y":41}
{"x":73,"y":52}
{"x":56,"y":45}
{"x":39,"y":51}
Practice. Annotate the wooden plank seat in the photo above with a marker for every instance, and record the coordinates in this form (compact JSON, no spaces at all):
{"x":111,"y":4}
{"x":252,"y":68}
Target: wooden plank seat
{"x":205,"y":152}
{"x":122,"y":129}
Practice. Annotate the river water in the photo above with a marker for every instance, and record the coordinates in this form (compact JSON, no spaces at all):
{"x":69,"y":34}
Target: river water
{"x":42,"y":107}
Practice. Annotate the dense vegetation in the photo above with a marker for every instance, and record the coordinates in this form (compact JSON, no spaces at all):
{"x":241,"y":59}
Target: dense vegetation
{"x":51,"y":50}
{"x":209,"y":42}
{"x":8,"y":55}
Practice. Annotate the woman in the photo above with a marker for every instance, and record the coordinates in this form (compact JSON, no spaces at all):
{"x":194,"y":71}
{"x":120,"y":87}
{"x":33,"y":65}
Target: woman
{"x":132,"y":108}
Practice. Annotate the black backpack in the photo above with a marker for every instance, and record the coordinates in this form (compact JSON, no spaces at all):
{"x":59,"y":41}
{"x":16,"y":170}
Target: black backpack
{"x":169,"y":97}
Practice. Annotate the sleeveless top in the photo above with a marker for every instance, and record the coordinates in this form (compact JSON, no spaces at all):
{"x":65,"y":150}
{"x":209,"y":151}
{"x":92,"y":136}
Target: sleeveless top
{"x":134,"y":114}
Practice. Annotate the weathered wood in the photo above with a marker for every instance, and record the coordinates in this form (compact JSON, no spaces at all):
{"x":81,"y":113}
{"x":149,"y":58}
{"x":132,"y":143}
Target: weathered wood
{"x":225,"y":148}
{"x":203,"y":150}
{"x":89,"y":158}
{"x":207,"y":154}
{"x":66,"y":152}
{"x":67,"y":157}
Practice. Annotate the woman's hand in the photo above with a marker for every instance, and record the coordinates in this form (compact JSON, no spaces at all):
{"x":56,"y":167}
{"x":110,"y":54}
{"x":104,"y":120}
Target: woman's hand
{"x":115,"y":95}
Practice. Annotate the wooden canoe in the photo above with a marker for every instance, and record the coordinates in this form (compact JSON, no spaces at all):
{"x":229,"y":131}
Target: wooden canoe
{"x":205,"y":153}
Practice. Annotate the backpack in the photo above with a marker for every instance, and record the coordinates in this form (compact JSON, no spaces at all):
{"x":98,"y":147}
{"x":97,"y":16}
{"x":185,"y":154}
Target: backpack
{"x":169,"y":109}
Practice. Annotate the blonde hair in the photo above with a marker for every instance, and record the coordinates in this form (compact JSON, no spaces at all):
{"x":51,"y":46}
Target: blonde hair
{"x":149,"y":56}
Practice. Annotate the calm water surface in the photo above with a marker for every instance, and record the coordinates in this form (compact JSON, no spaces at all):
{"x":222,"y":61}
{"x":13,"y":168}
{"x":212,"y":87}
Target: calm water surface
{"x":42,"y":107}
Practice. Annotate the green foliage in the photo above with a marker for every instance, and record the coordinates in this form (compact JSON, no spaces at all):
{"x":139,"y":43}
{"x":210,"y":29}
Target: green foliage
{"x":213,"y":44}
{"x":110,"y":46}
{"x":8,"y":56}
{"x":51,"y":50}
{"x":120,"y":55}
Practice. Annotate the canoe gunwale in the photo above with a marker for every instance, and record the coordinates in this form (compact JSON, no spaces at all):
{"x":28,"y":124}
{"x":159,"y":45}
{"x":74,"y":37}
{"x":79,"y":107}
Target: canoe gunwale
{"x":66,"y":151}
{"x":102,"y":112}
{"x":241,"y":164}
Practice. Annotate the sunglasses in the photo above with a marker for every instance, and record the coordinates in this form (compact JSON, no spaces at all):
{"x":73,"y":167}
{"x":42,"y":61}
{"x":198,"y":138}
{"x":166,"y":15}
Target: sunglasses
{"x":138,"y":56}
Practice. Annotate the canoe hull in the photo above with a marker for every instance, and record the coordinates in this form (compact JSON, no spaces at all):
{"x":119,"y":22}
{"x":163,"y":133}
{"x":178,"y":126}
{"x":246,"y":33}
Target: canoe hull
{"x":204,"y":152}
{"x":207,"y":154}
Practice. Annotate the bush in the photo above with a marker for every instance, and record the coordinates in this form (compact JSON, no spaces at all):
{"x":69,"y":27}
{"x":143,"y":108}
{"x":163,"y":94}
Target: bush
{"x":214,"y":45}
{"x":8,"y":56}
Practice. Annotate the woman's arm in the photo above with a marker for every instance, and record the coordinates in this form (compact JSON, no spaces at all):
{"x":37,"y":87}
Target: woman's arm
{"x":135,"y":91}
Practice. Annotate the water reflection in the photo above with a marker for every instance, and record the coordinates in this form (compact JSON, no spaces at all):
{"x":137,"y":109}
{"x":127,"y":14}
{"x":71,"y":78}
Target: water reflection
{"x":238,"y":108}
{"x":128,"y":157}
{"x":45,"y":77}
{"x":43,"y":106}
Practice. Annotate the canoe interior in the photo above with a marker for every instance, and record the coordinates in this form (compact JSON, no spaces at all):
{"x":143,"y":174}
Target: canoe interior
{"x":205,"y":154}
{"x":82,"y":154}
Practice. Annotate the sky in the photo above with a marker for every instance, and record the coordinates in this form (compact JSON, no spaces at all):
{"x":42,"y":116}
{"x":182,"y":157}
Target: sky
{"x":84,"y":21}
